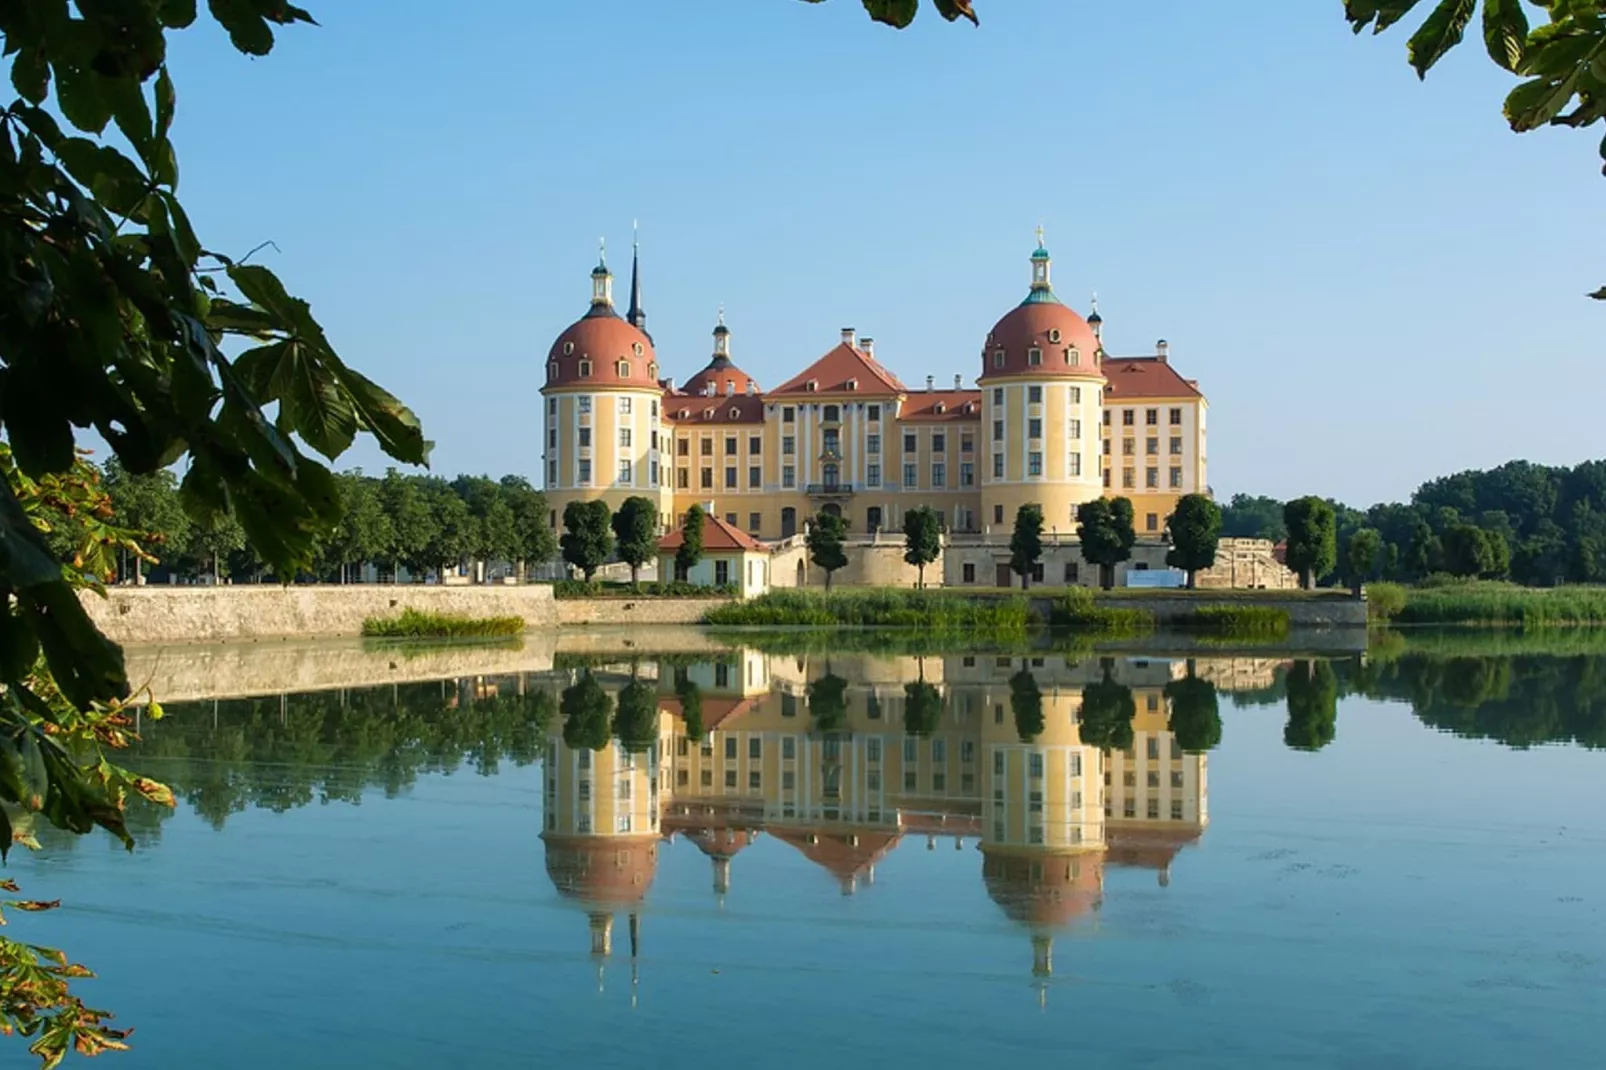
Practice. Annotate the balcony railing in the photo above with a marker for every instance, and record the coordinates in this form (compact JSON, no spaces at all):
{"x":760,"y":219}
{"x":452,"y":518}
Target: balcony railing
{"x":828,"y":488}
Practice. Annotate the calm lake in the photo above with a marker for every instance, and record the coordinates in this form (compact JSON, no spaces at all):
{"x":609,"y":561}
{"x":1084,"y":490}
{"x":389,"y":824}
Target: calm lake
{"x":1109,"y":858}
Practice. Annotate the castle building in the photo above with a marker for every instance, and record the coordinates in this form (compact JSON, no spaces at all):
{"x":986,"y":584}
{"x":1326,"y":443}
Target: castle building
{"x":1051,"y":419}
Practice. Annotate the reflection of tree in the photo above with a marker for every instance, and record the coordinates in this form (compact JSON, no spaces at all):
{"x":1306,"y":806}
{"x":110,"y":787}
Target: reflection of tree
{"x":1107,"y":711}
{"x":922,"y":708}
{"x":279,"y":753}
{"x":1195,"y":713}
{"x":586,"y":710}
{"x":636,"y":721}
{"x":1312,"y":705}
{"x":828,"y":703}
{"x":1026,"y":703}
{"x":691,"y":703}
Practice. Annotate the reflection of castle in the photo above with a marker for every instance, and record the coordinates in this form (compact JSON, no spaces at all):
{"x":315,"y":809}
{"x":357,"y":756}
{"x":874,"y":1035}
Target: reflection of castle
{"x":1049,"y":813}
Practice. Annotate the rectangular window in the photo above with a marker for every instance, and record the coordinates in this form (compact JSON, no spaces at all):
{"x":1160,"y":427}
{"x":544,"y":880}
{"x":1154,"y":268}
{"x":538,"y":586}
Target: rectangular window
{"x":1176,"y":445}
{"x":872,"y":749}
{"x":626,"y":406}
{"x":1076,"y":464}
{"x":730,"y":445}
{"x":1076,"y":395}
{"x":730,"y":748}
{"x":833,"y":441}
{"x":1034,"y":464}
{"x":730,"y":778}
{"x":755,"y":521}
{"x":624,"y":436}
{"x":1151,"y":445}
{"x":969,"y":572}
{"x":910,"y":444}
{"x":1035,"y":767}
{"x":755,"y":748}
{"x":552,"y":438}
{"x":585,"y":437}
{"x":585,"y":473}
{"x":585,"y":402}
{"x":1151,"y":416}
{"x":1151,"y":477}
{"x":939,"y":444}
{"x":1176,"y":479}
{"x":939,"y":475}
{"x":1034,"y":395}
{"x":1129,"y":478}
{"x":1129,"y":447}
{"x":755,"y":446}
{"x":654,"y":441}
{"x":1074,"y":428}
{"x":552,"y":473}
{"x":1072,"y":572}
{"x":872,"y":475}
{"x":1176,"y":417}
{"x":788,"y":477}
{"x":998,"y":466}
{"x":683,"y":478}
{"x":872,"y":443}
{"x":967,"y":474}
{"x":706,"y":446}
{"x":552,"y":406}
{"x":788,"y":415}
{"x":967,"y":444}
{"x":1034,"y":428}
{"x":730,"y":479}
{"x":788,"y":445}
{"x":1106,"y":447}
{"x":707,"y":482}
{"x":1151,"y":523}
{"x":788,"y":748}
{"x":683,"y":447}
{"x":1128,"y":417}
{"x":624,"y":472}
{"x":873,"y":413}
{"x":1106,"y":417}
{"x":998,"y":430}
{"x":755,"y":477}
{"x":722,"y":572}
{"x":911,"y":475}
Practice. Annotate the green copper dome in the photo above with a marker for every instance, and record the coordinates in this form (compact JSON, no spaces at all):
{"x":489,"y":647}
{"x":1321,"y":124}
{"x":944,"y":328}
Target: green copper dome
{"x":1042,"y":296}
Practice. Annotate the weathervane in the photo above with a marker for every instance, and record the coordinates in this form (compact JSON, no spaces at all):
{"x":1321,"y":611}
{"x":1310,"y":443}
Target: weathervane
{"x":1039,"y":235}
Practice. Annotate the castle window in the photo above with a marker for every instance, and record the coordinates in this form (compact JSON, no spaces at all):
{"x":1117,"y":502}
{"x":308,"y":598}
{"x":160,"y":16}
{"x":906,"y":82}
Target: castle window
{"x":652,"y":371}
{"x":568,"y":348}
{"x":1053,"y":334}
{"x":998,"y":395}
{"x":1076,"y":395}
{"x":874,"y":412}
{"x":1034,"y":356}
{"x":637,"y":349}
{"x":1073,"y":356}
{"x":624,"y":369}
{"x":788,"y":414}
{"x":1034,"y":395}
{"x":812,"y":385}
{"x":552,"y":406}
{"x":1176,"y":417}
{"x":585,"y":401}
{"x":833,"y":414}
{"x":998,"y":358}
{"x":626,"y":406}
{"x":585,"y":369}
{"x":853,"y":384}
{"x":552,"y":369}
{"x":939,"y":408}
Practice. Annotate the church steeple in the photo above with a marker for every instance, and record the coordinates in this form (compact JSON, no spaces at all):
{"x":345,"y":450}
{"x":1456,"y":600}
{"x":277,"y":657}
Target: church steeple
{"x":636,"y":315}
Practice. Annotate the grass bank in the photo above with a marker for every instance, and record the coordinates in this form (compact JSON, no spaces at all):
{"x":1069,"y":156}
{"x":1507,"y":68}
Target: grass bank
{"x":1488,"y":604}
{"x":1265,"y":623}
{"x":417,"y":624}
{"x":1076,"y":611}
{"x":934,"y":612}
{"x":577,"y":589}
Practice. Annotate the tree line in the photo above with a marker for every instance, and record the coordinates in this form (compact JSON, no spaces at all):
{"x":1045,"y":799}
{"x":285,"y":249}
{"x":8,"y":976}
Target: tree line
{"x":1539,"y":525}
{"x":421,"y":523}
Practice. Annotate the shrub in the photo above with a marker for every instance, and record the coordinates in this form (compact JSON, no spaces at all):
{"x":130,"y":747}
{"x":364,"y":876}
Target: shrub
{"x":419,"y":624}
{"x":936,"y":612}
{"x":1238,"y":622}
{"x":1384,"y":600}
{"x":1077,"y":610}
{"x":1495,"y":603}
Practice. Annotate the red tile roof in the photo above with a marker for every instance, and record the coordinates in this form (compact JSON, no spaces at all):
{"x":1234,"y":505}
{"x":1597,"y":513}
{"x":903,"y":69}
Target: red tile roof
{"x":717,"y":535}
{"x":832,"y":373}
{"x":694,"y":409}
{"x":1145,"y":377}
{"x":847,"y":853}
{"x":717,"y":709}
{"x":922,"y":406}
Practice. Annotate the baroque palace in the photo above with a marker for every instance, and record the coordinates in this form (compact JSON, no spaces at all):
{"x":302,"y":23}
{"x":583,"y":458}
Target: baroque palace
{"x":1052,"y":419}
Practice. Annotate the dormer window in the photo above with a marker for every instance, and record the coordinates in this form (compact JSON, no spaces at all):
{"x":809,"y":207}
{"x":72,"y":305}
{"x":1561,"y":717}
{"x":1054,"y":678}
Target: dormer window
{"x":1073,"y":357}
{"x":998,"y":358}
{"x":812,"y":385}
{"x":551,"y":369}
{"x":1054,"y":334}
{"x":624,"y":369}
{"x":638,"y":350}
{"x":652,"y":371}
{"x":568,"y":348}
{"x":853,"y":384}
{"x":939,"y":408}
{"x":585,"y":369}
{"x":708,"y":414}
{"x":736,"y":413}
{"x":683,"y":414}
{"x":1034,"y":357}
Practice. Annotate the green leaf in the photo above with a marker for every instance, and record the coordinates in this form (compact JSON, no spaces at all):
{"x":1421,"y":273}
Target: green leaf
{"x":392,"y":423}
{"x":248,"y":30}
{"x":30,"y":75}
{"x":183,"y":234}
{"x":1600,"y":294}
{"x":1536,"y":102}
{"x":896,"y":13}
{"x":316,"y":406}
{"x":1505,"y":31}
{"x":231,"y":317}
{"x":114,"y":179}
{"x":79,"y":93}
{"x":1441,"y":32}
{"x":176,"y":14}
{"x":263,"y":288}
{"x":1379,"y":14}
{"x":956,"y":9}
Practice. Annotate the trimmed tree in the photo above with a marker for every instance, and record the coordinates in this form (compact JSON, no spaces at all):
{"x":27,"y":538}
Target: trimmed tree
{"x":828,"y":703}
{"x":1312,"y":706}
{"x":1195,"y":713}
{"x":1312,"y":538}
{"x":922,"y":537}
{"x":922,"y":708}
{"x":690,"y":550}
{"x":587,"y":711}
{"x":1107,"y":711}
{"x":1106,"y":534}
{"x":1026,"y":703}
{"x":635,"y":719}
{"x":635,"y":532}
{"x":1195,"y":529}
{"x":1026,"y":544}
{"x":690,"y":697}
{"x":587,"y":540}
{"x":1360,"y":557}
{"x":826,"y":541}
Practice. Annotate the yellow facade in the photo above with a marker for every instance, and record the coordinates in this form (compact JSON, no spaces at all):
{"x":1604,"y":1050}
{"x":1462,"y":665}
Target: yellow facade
{"x":857,"y":441}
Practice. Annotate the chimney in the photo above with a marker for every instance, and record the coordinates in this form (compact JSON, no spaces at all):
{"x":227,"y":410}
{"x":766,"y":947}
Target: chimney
{"x":669,"y":385}
{"x":931,"y":381}
{"x":750,"y":389}
{"x":1163,"y":349}
{"x":959,"y":382}
{"x":730,"y":388}
{"x":848,"y":335}
{"x":868,"y":346}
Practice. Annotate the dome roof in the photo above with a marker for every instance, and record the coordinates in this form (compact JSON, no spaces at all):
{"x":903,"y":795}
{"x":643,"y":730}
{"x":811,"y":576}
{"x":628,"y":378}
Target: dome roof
{"x":1044,"y":890}
{"x":602,"y":870}
{"x":610,"y":345}
{"x":1064,"y":340}
{"x":726,"y":377}
{"x":722,"y":842}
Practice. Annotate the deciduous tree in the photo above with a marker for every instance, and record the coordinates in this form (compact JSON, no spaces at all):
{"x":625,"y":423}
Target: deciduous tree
{"x":1312,"y":538}
{"x":1195,"y":530}
{"x":690,"y":550}
{"x":587,"y":539}
{"x":922,"y":538}
{"x":635,"y":532}
{"x":1106,"y":533}
{"x":1360,"y":557}
{"x":1026,"y":542}
{"x":827,"y":543}
{"x":1195,"y":717}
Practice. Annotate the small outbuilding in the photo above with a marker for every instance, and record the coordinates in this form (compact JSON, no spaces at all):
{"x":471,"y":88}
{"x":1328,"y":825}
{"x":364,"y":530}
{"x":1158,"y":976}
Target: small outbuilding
{"x":730,"y":557}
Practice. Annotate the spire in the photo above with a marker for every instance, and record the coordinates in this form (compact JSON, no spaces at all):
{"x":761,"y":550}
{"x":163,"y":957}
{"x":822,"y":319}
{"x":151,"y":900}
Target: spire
{"x":637,"y":315}
{"x":602,"y":284}
{"x":722,"y":341}
{"x":1042,"y":291}
{"x":1096,"y":321}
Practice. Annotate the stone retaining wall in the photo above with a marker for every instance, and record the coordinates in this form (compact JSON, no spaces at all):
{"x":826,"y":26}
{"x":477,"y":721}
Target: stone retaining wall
{"x":156,"y":615}
{"x":589,"y":612}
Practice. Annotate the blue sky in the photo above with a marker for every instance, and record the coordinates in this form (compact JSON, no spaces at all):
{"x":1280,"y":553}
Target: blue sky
{"x":1374,"y":280}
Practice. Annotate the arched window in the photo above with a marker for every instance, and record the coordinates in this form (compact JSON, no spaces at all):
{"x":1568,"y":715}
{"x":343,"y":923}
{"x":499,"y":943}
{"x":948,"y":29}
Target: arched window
{"x":551,"y":369}
{"x":1053,"y":334}
{"x":652,"y":371}
{"x":1073,"y":356}
{"x":568,"y":348}
{"x":636,"y":348}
